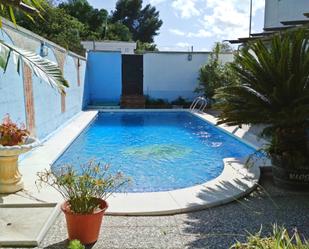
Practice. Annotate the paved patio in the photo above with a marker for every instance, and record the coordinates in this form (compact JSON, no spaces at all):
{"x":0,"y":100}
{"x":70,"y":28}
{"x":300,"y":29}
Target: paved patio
{"x":217,"y":227}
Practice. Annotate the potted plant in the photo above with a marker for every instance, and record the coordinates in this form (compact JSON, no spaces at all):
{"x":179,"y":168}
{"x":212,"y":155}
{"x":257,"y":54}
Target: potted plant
{"x":14,"y":140}
{"x":85,"y":192}
{"x":274,"y":91}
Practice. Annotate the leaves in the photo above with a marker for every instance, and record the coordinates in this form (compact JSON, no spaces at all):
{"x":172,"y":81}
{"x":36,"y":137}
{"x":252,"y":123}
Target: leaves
{"x":280,"y":239}
{"x":273,"y":91}
{"x":143,"y":23}
{"x":274,"y":83}
{"x":215,"y":74}
{"x":82,"y":188}
{"x":12,"y":134}
{"x":42,"y":68}
{"x":28,"y":7}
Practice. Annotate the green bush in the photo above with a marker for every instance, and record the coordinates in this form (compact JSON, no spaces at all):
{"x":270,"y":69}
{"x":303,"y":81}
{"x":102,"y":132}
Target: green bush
{"x":215,"y":74}
{"x":181,"y":102}
{"x":156,"y":102}
{"x":280,"y":239}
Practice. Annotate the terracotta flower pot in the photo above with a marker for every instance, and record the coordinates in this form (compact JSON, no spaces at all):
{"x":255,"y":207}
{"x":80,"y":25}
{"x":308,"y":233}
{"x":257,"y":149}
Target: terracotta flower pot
{"x":84,"y":227}
{"x":10,"y":178}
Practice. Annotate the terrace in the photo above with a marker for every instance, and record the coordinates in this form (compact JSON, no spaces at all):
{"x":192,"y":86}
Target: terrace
{"x":192,"y":176}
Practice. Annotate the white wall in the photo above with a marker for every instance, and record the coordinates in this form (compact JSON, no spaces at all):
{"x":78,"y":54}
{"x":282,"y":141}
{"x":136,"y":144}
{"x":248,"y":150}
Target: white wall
{"x":277,"y":11}
{"x":170,"y":75}
{"x":112,"y":46}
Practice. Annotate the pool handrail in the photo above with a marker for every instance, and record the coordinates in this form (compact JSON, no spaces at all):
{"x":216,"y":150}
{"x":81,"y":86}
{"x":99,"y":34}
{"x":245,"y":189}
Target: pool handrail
{"x":196,"y":101}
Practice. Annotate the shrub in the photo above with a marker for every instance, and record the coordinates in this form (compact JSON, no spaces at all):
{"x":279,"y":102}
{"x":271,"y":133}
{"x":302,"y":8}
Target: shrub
{"x":11,"y":134}
{"x":280,"y":239}
{"x":215,"y":74}
{"x":181,"y":101}
{"x":156,"y":102}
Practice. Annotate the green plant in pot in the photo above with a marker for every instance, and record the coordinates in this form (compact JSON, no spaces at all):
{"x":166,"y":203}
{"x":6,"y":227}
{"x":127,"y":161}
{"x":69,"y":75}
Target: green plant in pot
{"x":274,"y":90}
{"x":14,"y":140}
{"x":85,"y":192}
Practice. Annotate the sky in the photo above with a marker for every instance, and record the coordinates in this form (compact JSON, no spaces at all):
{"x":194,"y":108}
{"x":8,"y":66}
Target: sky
{"x":200,"y":23}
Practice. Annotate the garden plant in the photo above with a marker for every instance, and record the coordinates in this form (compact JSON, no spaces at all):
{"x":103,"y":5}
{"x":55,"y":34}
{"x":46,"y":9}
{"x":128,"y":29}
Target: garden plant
{"x":274,"y":91}
{"x":14,"y":140}
{"x":85,"y":193}
{"x":279,"y":239}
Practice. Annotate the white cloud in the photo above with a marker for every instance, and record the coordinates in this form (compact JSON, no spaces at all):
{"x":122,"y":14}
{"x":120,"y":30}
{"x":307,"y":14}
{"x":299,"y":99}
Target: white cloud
{"x":183,"y":45}
{"x":200,"y":34}
{"x":228,"y":19}
{"x":177,"y":32}
{"x":186,"y":8}
{"x":213,"y":19}
{"x":156,"y":2}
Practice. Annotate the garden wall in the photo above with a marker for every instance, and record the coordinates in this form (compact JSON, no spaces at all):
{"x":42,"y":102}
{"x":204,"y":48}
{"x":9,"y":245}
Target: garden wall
{"x":30,"y":100}
{"x":103,"y":77}
{"x":168,"y":75}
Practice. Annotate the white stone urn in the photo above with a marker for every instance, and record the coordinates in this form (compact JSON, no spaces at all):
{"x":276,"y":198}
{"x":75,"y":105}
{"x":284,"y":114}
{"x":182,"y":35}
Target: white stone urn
{"x":10,"y":177}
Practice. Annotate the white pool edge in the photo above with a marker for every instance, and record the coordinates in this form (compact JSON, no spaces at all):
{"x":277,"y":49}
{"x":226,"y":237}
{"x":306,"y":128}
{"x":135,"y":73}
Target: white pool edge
{"x":234,"y":182}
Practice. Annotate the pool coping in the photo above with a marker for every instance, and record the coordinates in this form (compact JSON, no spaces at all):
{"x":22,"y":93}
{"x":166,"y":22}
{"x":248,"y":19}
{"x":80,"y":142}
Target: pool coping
{"x":234,"y":182}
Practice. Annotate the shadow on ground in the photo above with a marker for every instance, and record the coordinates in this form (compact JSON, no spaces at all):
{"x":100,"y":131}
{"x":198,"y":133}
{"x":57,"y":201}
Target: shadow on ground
{"x":214,"y":228}
{"x":220,"y":227}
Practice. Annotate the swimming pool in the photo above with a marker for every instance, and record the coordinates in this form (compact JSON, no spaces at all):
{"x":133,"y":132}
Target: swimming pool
{"x":159,"y":151}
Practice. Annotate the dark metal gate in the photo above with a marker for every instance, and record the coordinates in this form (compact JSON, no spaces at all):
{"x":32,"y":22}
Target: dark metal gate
{"x":132,"y":75}
{"x":132,"y":82}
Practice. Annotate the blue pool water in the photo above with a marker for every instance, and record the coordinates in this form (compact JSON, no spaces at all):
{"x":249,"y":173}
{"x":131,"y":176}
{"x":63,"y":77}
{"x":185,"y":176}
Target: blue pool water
{"x":159,"y":151}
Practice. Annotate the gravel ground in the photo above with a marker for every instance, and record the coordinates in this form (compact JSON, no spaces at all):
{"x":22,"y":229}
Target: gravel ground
{"x":217,"y":227}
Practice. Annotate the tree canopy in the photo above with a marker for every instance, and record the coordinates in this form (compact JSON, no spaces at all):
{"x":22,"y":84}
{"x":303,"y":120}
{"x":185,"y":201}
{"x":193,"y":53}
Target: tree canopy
{"x":59,"y":27}
{"x":69,"y":22}
{"x":143,"y":23}
{"x":94,"y":19}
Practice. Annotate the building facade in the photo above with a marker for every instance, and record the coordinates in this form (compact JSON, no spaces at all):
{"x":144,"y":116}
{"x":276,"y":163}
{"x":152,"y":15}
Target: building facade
{"x":279,"y":13}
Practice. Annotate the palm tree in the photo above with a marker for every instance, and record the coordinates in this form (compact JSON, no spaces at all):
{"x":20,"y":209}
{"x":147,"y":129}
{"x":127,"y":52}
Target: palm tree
{"x":274,"y":91}
{"x":43,"y":68}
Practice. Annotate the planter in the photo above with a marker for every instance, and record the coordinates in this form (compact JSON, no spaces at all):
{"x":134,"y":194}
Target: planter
{"x":288,"y":177}
{"x":10,"y":177}
{"x":84,"y":227}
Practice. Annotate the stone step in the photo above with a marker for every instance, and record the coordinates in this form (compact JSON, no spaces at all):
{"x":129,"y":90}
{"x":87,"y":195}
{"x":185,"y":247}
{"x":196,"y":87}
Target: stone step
{"x":133,"y":101}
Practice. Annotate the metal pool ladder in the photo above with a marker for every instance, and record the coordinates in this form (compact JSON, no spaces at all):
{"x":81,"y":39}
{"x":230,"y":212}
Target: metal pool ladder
{"x":200,"y":102}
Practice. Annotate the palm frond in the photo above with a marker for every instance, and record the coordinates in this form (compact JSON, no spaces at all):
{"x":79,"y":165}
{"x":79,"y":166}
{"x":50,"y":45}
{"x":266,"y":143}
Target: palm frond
{"x":274,"y":85}
{"x":42,"y":68}
{"x":28,"y":7}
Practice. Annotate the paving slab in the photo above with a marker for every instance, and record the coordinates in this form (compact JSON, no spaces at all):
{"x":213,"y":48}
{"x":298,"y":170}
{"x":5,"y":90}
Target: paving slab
{"x":27,"y":224}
